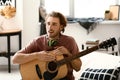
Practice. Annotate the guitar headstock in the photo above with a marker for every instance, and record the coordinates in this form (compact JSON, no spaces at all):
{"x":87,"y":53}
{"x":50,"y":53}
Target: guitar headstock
{"x":108,"y":43}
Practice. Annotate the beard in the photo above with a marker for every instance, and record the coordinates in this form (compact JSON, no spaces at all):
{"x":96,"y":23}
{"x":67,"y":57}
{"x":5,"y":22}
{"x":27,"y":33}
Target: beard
{"x":53,"y":34}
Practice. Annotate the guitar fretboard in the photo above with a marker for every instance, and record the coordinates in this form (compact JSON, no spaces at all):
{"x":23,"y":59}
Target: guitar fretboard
{"x":68,"y":59}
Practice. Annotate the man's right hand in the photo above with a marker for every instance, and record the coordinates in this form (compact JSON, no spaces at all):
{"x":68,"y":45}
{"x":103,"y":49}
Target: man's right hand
{"x":45,"y":56}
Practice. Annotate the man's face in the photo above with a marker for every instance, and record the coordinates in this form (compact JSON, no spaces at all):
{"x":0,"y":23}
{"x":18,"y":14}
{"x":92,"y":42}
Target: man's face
{"x":53,"y":27}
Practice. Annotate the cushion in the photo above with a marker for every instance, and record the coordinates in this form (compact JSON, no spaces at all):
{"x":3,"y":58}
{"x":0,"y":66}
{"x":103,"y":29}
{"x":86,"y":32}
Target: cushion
{"x":100,"y":74}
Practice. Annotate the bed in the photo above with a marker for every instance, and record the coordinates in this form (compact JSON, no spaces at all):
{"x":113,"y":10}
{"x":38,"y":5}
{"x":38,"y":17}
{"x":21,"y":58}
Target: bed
{"x":99,"y":66}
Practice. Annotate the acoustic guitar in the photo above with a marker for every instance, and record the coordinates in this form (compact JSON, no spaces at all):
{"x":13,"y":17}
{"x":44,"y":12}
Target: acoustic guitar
{"x":54,"y":70}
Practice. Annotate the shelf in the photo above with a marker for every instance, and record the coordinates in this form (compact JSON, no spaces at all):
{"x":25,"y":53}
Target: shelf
{"x":5,"y":54}
{"x":110,"y":22}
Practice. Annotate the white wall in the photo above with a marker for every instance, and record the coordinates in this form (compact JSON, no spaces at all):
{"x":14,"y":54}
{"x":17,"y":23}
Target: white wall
{"x":101,"y":32}
{"x":27,"y":12}
{"x":30,"y":20}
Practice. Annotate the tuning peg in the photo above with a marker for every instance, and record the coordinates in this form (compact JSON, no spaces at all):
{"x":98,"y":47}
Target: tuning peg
{"x":108,"y":43}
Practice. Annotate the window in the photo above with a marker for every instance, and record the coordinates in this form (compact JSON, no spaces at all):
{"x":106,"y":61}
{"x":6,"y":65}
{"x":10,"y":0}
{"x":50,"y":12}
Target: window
{"x":58,"y":5}
{"x":92,"y":8}
{"x":80,"y":8}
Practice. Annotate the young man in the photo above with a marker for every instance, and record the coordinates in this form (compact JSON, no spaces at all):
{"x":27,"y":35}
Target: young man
{"x":54,"y":40}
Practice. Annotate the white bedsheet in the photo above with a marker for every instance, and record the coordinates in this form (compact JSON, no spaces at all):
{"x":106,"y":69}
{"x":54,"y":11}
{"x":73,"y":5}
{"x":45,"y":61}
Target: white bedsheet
{"x":97,"y":60}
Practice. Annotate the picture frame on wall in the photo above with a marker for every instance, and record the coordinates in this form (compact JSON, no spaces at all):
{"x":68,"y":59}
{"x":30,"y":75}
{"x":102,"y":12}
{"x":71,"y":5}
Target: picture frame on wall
{"x":4,"y":3}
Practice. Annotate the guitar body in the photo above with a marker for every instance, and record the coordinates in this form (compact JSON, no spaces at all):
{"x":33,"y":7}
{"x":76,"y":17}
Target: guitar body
{"x":28,"y":70}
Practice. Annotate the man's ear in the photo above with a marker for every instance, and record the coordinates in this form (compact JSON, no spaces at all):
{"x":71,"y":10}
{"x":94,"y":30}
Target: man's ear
{"x":61,"y":27}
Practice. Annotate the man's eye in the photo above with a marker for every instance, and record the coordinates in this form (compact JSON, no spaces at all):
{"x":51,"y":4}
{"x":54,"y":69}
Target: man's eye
{"x":47,"y":23}
{"x":54,"y":24}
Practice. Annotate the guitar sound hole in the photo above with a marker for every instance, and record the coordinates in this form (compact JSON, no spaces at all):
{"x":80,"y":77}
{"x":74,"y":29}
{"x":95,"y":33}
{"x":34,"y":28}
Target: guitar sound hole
{"x":52,"y":66}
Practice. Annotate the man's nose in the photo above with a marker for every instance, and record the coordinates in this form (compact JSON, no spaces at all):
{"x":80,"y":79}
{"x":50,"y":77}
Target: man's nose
{"x":50,"y":26}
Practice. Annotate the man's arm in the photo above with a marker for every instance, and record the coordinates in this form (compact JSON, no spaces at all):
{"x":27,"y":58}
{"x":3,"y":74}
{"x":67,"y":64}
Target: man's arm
{"x":20,"y":58}
{"x":76,"y":64}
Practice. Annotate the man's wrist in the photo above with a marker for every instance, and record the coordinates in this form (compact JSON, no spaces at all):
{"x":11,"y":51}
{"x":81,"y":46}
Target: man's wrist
{"x":36,"y":55}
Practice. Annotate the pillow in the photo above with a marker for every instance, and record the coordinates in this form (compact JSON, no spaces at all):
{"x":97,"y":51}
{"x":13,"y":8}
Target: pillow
{"x":100,"y":74}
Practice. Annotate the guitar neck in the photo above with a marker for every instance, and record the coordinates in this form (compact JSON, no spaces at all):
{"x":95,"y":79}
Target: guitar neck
{"x":68,"y":59}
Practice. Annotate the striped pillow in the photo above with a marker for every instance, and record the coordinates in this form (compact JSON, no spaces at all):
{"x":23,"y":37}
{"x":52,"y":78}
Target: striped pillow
{"x":100,"y":74}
